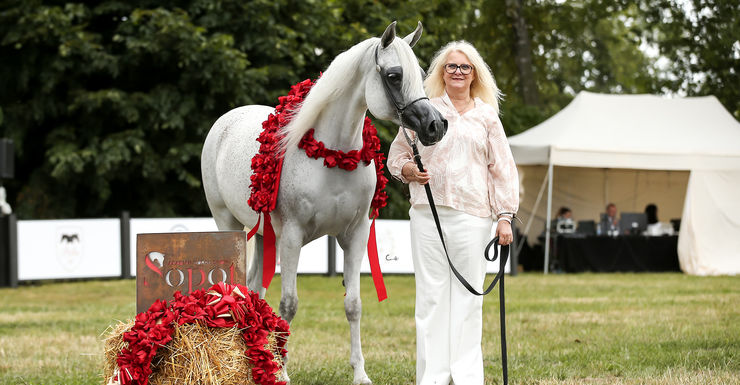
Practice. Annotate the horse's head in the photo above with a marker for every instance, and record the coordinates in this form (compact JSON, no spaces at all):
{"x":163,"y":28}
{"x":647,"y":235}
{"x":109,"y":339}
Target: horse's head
{"x":396,"y":93}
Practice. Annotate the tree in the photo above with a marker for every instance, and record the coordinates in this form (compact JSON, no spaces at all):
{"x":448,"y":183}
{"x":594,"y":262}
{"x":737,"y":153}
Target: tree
{"x":698,"y":42}
{"x":523,"y":53}
{"x":574,"y":45}
{"x":108,"y":106}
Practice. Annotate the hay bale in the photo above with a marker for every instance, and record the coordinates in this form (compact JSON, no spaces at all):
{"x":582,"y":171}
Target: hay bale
{"x":197,"y":354}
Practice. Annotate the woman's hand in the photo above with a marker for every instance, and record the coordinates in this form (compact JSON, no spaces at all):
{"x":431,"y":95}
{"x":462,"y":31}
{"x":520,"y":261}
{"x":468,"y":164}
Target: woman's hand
{"x":412,"y":174}
{"x":503,"y":232}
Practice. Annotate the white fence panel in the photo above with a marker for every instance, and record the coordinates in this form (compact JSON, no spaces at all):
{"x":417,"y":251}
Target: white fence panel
{"x":70,"y":248}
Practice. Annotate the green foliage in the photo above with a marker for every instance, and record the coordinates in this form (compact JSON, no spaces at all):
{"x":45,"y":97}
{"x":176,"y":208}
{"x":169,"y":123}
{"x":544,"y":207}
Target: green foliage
{"x":577,"y":45}
{"x":699,"y":39}
{"x":108,"y":102}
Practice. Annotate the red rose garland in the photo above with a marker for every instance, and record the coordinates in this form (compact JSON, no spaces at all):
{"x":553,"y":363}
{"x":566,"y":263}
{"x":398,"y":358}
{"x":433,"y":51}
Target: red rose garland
{"x":267,"y":163}
{"x":349,"y":160}
{"x":223,"y":305}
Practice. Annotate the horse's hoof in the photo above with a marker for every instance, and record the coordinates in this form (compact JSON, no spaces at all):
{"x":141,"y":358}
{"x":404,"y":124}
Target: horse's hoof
{"x":364,"y":381}
{"x":283,"y":376}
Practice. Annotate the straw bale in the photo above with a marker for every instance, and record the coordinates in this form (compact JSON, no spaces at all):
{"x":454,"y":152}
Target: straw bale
{"x":197,"y":354}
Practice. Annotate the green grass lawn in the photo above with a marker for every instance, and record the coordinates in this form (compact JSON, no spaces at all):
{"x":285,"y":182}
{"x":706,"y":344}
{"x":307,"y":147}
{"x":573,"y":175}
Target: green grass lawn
{"x":562,"y":329}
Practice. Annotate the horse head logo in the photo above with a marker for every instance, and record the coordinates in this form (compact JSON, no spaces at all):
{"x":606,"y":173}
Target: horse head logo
{"x":69,"y":247}
{"x":157,"y":257}
{"x":154,"y":261}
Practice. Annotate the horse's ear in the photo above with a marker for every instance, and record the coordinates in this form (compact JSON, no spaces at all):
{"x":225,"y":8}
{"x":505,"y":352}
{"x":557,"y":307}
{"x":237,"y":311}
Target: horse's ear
{"x":388,"y":35}
{"x":412,"y":38}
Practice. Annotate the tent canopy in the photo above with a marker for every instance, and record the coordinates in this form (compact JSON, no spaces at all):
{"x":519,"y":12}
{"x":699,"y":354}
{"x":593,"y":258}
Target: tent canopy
{"x":634,"y":132}
{"x":632,"y":137}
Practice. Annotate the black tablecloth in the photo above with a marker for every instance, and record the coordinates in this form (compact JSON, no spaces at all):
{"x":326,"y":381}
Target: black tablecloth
{"x":624,"y":253}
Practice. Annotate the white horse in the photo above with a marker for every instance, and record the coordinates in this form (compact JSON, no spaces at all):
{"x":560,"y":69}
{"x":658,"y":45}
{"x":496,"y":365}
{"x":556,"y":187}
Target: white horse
{"x":379,"y":74}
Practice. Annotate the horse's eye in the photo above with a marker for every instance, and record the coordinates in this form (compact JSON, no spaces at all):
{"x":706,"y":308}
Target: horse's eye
{"x":394,"y":78}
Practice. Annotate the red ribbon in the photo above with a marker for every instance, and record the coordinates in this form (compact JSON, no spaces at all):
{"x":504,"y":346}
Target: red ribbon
{"x":268,"y":263}
{"x":254,"y":229}
{"x":269,"y":250}
{"x":372,"y":255}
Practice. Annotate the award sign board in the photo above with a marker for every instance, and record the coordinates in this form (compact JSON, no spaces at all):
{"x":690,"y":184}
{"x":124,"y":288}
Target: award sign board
{"x":186,"y":262}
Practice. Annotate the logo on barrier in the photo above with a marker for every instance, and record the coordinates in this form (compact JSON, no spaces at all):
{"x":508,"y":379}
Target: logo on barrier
{"x":186,"y":262}
{"x":69,"y":247}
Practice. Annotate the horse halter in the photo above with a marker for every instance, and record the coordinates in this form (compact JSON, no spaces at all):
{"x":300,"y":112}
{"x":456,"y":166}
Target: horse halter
{"x":392,"y":90}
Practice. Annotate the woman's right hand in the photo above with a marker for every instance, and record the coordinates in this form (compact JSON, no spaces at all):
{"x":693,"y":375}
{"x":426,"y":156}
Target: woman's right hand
{"x":412,"y":174}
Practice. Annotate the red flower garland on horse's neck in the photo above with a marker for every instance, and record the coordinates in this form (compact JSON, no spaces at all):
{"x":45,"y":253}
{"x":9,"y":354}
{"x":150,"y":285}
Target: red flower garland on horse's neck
{"x":266,"y":165}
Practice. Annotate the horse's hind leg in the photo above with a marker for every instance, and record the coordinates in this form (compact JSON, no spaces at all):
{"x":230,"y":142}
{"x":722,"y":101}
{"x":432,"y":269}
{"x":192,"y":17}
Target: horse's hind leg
{"x":354,"y":249}
{"x":254,"y":273}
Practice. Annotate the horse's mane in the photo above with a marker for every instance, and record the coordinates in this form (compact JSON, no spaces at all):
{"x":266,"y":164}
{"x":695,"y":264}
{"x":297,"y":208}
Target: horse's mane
{"x":329,"y":86}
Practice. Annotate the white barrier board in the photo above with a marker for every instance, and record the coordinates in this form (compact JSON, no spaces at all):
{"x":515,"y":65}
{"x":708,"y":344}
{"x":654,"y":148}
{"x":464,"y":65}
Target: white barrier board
{"x":70,"y":248}
{"x":394,"y":249}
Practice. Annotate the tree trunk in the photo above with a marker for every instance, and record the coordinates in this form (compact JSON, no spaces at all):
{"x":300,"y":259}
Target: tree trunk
{"x":523,"y":53}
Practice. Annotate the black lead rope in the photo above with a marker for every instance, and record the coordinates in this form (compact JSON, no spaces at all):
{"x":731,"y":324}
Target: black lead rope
{"x":463,"y":281}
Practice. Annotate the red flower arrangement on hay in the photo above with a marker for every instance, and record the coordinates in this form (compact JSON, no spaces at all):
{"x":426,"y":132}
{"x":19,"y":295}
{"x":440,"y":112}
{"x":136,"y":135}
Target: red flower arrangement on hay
{"x":221,"y":306}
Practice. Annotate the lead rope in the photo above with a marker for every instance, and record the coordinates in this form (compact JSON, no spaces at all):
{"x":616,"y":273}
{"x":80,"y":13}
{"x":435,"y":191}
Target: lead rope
{"x":463,"y":281}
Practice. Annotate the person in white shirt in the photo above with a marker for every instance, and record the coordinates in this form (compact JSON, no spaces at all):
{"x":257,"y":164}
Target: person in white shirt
{"x":655,"y":227}
{"x":474,"y":183}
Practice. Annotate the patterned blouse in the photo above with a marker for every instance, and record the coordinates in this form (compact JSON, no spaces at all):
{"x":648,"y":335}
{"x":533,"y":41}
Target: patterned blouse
{"x":471,"y":168}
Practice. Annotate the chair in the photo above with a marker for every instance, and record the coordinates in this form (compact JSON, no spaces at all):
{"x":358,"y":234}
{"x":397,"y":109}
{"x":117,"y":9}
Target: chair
{"x":676,"y":222}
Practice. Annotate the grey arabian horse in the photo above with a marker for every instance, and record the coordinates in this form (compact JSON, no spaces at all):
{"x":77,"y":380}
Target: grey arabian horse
{"x":379,"y":74}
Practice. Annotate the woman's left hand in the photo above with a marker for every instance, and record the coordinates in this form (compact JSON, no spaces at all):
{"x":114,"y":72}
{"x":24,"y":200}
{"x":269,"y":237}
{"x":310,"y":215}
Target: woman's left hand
{"x":503,"y":232}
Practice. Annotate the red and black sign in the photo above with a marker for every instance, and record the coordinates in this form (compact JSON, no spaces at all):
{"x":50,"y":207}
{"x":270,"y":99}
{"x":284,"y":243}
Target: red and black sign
{"x":185,"y":262}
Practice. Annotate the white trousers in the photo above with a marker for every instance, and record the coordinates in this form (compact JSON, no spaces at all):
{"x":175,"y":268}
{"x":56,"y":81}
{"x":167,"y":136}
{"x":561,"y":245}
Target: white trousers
{"x":448,"y":318}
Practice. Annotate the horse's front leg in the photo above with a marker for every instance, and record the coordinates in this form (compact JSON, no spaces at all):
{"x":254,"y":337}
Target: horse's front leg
{"x":354,"y":249}
{"x":289,"y":248}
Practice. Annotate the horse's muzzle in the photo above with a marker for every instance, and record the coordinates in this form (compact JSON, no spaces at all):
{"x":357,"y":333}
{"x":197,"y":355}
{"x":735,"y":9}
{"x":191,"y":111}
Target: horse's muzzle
{"x":436,"y":131}
{"x":433,"y":129}
{"x":428,"y":123}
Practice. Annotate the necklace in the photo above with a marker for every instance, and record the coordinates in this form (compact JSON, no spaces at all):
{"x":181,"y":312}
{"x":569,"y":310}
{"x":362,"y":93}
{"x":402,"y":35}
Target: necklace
{"x":465,"y":108}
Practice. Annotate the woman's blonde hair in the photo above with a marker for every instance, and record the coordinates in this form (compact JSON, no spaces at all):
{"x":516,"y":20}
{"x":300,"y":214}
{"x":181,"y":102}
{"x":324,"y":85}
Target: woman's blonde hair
{"x":483,"y":85}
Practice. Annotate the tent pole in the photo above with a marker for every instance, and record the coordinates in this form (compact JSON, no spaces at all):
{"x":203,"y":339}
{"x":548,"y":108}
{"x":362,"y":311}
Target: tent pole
{"x":534,"y":213}
{"x":606,"y":187}
{"x":549,"y":216}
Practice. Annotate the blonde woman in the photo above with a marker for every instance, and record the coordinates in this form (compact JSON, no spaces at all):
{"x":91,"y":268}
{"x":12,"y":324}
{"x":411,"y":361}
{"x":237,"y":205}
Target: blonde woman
{"x":474,"y":184}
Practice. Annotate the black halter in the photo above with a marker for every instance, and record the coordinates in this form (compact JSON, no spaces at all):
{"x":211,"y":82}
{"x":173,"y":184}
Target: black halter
{"x":392,"y":91}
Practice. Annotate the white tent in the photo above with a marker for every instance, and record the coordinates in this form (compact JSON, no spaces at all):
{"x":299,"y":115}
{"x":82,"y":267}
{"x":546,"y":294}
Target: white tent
{"x":637,"y":149}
